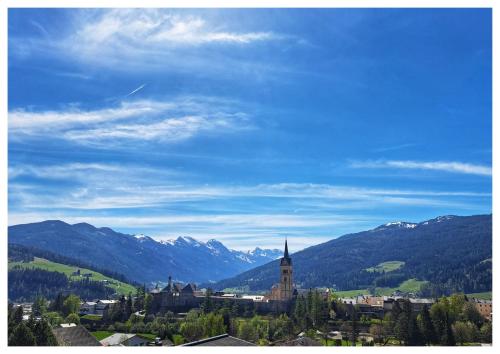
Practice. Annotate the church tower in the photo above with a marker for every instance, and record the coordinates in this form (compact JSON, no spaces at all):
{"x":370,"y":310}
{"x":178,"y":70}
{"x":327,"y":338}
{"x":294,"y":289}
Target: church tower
{"x":286,"y":279}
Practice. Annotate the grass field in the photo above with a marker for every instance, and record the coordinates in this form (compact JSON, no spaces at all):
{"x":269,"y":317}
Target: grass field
{"x":149,"y":336}
{"x":386,"y":267}
{"x":484,"y":296}
{"x":408,"y":286}
{"x":100,"y":335}
{"x":118,"y":286}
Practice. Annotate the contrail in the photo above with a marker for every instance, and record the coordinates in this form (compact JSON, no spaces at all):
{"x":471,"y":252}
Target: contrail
{"x":136,"y":90}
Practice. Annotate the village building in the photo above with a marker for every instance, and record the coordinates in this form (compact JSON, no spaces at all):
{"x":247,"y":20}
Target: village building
{"x":484,"y":307}
{"x":125,"y":339}
{"x":223,"y":340}
{"x":102,"y":306}
{"x":74,"y":335}
{"x":88,"y":308}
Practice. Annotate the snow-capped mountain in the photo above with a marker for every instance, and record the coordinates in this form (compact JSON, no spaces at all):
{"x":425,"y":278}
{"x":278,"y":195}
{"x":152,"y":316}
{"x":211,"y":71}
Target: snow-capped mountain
{"x":140,"y":257}
{"x":409,"y":225}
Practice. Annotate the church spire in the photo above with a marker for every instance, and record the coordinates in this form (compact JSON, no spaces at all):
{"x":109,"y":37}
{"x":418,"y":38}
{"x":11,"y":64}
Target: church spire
{"x":286,"y":249}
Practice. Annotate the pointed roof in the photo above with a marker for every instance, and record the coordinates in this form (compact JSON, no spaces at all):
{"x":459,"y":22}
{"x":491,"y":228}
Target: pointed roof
{"x":286,"y":260}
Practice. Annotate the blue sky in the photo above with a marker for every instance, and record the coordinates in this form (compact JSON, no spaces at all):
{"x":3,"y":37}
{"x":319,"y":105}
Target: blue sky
{"x":249,"y":125}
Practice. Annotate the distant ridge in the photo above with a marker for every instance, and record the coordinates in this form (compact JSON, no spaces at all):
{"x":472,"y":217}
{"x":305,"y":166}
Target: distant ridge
{"x":139,"y":257}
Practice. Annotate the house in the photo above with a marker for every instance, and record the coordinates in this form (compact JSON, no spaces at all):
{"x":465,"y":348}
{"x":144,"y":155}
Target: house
{"x":223,"y":340}
{"x":348,"y":301}
{"x":418,"y":304}
{"x":124,"y":339}
{"x":88,"y":308}
{"x":301,"y":342}
{"x":254,"y":297}
{"x":74,"y":336}
{"x":485,"y":307}
{"x":102,"y":306}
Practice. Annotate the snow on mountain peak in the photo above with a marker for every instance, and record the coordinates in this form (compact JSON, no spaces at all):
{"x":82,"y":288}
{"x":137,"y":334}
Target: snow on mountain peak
{"x":406,"y":225}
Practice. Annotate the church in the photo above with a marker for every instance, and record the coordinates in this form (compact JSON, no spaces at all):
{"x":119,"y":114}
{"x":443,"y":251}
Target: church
{"x":284,"y":291}
{"x":181,"y":298}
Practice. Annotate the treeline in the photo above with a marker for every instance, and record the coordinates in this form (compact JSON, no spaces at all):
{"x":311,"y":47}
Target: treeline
{"x":20,"y":253}
{"x":25,"y":284}
{"x":28,"y":333}
{"x":448,"y":322}
{"x":37,"y":329}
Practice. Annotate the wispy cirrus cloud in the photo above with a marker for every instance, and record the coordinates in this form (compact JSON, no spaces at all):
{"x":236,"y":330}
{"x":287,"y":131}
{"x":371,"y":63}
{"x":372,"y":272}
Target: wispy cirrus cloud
{"x":148,"y":120}
{"x":103,"y":186}
{"x":121,"y":28}
{"x":117,"y":195}
{"x":157,"y":40}
{"x":445,"y":166}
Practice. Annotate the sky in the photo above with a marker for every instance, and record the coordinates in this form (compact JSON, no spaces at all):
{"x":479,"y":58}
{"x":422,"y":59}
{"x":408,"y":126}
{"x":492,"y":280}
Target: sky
{"x":249,"y":125}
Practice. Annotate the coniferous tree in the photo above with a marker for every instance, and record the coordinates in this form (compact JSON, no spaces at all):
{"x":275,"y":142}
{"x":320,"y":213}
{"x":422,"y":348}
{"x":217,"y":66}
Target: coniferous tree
{"x":43,"y":334}
{"x":58,"y":303}
{"x":426,"y":326}
{"x":300,"y":312}
{"x":22,"y":336}
{"x":39,"y":306}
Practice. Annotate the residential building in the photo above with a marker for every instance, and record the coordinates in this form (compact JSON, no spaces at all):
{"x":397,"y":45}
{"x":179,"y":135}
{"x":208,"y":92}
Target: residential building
{"x":74,"y":336}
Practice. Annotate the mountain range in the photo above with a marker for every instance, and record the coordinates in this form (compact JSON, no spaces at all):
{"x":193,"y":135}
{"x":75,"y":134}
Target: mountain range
{"x":140,"y":257}
{"x":445,"y":254}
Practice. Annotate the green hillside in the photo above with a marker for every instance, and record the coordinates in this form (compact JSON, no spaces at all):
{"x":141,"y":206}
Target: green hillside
{"x":408,"y":286}
{"x":386,"y":267}
{"x":118,"y":286}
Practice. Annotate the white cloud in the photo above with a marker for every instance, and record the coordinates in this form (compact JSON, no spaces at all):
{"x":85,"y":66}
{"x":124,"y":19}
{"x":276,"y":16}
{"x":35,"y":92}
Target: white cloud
{"x":148,"y":120}
{"x":446,"y":166}
{"x":141,"y":27}
{"x":148,"y":37}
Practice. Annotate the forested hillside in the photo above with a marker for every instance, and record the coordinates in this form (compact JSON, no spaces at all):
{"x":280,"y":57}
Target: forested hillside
{"x":452,"y":253}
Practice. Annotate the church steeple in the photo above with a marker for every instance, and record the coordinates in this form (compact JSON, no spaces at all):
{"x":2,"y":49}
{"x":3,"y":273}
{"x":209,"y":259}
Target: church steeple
{"x":286,"y":257}
{"x":286,"y":278}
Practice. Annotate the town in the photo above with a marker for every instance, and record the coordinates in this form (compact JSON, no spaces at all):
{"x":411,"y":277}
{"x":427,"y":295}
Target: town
{"x":180,"y":314}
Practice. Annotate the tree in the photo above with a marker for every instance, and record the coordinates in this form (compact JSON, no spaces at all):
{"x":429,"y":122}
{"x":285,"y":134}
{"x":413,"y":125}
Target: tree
{"x":43,"y":334}
{"x":283,"y":327}
{"x":53,"y":318}
{"x":456,"y":303}
{"x":465,"y":332}
{"x":471,"y":313}
{"x":426,"y":326}
{"x":486,"y":332}
{"x":402,"y":324}
{"x":192,"y":327}
{"x":377,"y":331}
{"x":71,"y":305}
{"x":72,"y":318}
{"x":17,"y":317}
{"x":148,"y":301}
{"x":58,"y":303}
{"x":129,"y":308}
{"x":22,"y":336}
{"x":415,"y":336}
{"x":207,"y":304}
{"x":439,"y":317}
{"x":213,"y":324}
{"x":39,"y":306}
{"x":300,"y":312}
{"x":247,"y":332}
{"x":354,"y":326}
